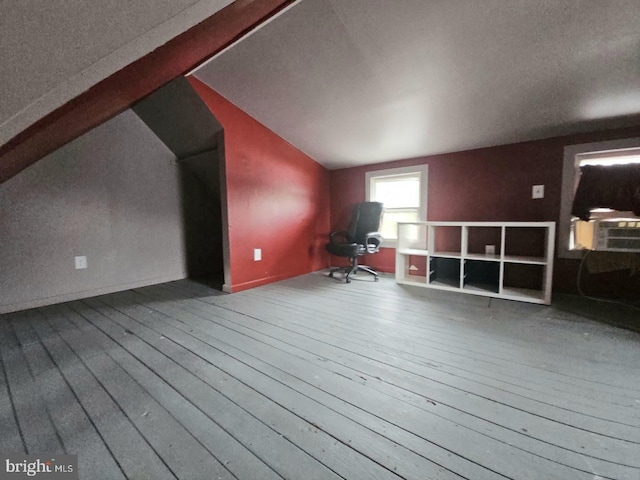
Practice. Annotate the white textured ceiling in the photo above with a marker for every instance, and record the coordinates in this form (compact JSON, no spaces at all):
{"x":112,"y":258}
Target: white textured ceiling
{"x":51,"y":51}
{"x":353,"y":82}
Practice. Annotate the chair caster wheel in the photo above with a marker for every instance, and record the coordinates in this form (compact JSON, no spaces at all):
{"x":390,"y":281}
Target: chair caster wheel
{"x":331,"y":275}
{"x":376,"y":279}
{"x":348,"y":280}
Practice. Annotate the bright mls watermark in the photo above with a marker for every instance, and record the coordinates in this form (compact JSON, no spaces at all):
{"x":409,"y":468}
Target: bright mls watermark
{"x":39,"y":467}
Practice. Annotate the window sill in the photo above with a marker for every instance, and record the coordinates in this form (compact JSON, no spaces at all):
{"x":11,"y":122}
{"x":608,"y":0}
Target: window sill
{"x":389,"y":243}
{"x":575,"y":254}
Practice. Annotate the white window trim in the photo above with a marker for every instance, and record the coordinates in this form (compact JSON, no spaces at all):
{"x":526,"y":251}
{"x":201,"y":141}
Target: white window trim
{"x":423,"y":170}
{"x":570,"y":171}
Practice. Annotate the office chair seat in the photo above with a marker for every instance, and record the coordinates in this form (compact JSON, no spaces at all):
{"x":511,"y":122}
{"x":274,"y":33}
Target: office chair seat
{"x":361,"y":238}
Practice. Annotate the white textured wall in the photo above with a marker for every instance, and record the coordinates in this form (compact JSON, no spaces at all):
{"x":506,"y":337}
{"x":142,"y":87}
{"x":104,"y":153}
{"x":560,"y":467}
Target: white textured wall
{"x":112,"y":195}
{"x":53,"y":50}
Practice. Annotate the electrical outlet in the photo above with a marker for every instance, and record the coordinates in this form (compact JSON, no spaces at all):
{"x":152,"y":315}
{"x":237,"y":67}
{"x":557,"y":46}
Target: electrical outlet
{"x":490,"y":249}
{"x":257,"y":254}
{"x":81,"y":263}
{"x":537,"y":191}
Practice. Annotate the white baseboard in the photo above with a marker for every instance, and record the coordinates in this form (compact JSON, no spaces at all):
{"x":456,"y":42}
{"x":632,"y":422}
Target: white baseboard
{"x":68,"y":297}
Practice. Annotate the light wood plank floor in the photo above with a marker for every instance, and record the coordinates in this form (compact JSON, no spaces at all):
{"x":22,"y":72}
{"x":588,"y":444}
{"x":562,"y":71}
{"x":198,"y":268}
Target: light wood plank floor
{"x":311,"y":378}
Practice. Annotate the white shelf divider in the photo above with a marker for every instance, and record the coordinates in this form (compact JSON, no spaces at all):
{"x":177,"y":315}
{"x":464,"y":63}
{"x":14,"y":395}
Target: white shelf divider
{"x":444,"y":273}
{"x":414,"y":251}
{"x":443,"y":254}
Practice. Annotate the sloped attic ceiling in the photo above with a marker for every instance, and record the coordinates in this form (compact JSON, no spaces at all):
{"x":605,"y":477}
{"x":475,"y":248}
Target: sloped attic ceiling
{"x":364,"y":81}
{"x":54,"y":50}
{"x":66,"y":97}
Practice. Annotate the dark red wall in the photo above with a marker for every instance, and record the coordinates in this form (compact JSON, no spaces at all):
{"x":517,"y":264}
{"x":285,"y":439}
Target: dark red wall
{"x":277,"y":200}
{"x":489,"y":184}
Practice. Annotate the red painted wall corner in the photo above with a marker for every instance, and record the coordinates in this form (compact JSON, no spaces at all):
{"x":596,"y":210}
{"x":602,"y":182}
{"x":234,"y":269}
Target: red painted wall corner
{"x":277,"y":200}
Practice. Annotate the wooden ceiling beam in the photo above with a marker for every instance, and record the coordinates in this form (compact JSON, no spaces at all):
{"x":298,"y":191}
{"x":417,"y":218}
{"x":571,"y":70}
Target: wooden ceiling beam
{"x":118,"y":92}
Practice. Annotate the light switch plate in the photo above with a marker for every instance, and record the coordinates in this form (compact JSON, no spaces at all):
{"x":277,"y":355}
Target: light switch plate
{"x":81,"y":263}
{"x":537,"y":191}
{"x":257,"y":254}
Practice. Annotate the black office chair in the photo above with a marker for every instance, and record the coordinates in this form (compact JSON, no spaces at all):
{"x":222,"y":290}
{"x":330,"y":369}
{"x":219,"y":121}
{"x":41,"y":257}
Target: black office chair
{"x":361,"y":238}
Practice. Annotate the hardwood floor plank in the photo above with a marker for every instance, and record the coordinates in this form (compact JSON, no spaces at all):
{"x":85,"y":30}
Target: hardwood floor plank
{"x":130,"y":449}
{"x":77,"y":432}
{"x":180,"y":451}
{"x":39,"y":433}
{"x":343,"y":460}
{"x":240,"y":461}
{"x":477,"y":347}
{"x":497,"y":323}
{"x":406,"y":464}
{"x":403,"y":363}
{"x":239,"y":409}
{"x":378,"y":329}
{"x":506,"y":336}
{"x":564,"y":409}
{"x":314,"y":378}
{"x":11,"y":440}
{"x":544,"y":450}
{"x":413,"y":443}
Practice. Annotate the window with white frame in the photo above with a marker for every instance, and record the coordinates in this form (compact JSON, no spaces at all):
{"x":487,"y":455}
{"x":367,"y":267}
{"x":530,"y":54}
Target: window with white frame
{"x":403,"y":192}
{"x":576,"y":235}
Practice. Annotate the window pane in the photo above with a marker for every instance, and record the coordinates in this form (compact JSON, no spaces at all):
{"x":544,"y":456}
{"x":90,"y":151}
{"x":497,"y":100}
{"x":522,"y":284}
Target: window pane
{"x":397,"y":192}
{"x":390,"y":219}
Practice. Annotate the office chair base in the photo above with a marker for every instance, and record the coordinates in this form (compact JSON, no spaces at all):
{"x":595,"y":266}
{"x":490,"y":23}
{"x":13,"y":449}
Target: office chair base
{"x":352,"y":270}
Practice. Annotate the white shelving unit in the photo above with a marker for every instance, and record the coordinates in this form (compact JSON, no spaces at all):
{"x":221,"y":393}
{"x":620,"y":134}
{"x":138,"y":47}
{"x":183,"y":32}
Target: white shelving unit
{"x":453,"y":256}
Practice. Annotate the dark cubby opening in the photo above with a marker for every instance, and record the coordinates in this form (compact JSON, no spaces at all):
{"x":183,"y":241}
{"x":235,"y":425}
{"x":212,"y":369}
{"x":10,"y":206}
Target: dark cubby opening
{"x":482,"y":275}
{"x":445,"y":271}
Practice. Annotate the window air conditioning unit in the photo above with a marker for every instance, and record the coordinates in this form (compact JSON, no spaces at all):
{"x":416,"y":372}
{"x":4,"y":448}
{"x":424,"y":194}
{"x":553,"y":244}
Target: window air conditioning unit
{"x":617,"y":235}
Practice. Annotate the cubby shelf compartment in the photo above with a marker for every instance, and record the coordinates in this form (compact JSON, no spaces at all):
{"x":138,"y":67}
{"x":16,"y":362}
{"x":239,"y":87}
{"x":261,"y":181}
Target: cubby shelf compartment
{"x":455,"y":255}
{"x":481,"y":276}
{"x":487,"y":257}
{"x":413,"y":280}
{"x":525,"y":259}
{"x":444,"y":271}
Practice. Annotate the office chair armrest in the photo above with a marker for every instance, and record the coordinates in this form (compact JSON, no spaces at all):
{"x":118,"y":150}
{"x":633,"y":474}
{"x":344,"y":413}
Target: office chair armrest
{"x":373,"y":242}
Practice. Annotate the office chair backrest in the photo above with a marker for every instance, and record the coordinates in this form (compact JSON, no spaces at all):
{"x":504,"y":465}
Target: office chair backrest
{"x":366,"y":219}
